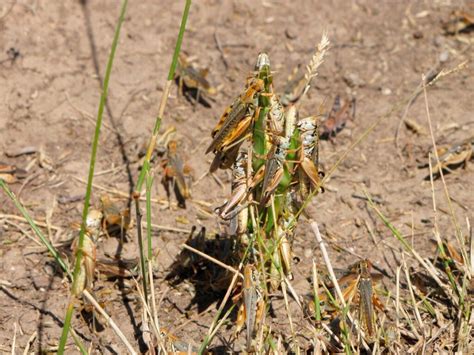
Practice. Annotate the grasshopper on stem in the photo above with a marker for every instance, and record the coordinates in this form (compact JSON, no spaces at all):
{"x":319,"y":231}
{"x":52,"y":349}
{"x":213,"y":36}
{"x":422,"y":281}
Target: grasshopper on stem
{"x":252,"y":307}
{"x":236,"y":120}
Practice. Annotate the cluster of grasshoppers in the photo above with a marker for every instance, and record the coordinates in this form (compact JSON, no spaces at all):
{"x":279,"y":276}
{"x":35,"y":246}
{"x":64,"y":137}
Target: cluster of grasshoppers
{"x":274,"y":158}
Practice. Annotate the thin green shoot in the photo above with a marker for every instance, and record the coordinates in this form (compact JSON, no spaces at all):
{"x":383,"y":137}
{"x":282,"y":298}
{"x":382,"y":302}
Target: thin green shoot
{"x":95,"y":144}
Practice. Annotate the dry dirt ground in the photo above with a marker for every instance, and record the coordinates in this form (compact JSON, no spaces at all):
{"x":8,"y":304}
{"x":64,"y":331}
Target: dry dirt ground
{"x":52,"y":56}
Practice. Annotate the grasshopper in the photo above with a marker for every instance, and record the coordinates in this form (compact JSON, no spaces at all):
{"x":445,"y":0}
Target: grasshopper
{"x":285,"y":231}
{"x":235,"y":122}
{"x":176,"y":173}
{"x":358,"y":285}
{"x":114,"y":217}
{"x":238,"y":187}
{"x":88,"y":260}
{"x":274,"y":168}
{"x":276,"y":158}
{"x":252,"y":307}
{"x":233,"y":125}
{"x":276,"y":115}
{"x":294,"y":87}
{"x":337,"y":118}
{"x":454,"y":156}
{"x":362,"y":284}
{"x":308,"y":172}
{"x":193,"y":80}
{"x":461,"y":21}
{"x":366,"y":296}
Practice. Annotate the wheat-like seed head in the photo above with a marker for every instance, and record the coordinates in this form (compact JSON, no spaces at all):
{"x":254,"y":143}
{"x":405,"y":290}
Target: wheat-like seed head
{"x":317,"y":60}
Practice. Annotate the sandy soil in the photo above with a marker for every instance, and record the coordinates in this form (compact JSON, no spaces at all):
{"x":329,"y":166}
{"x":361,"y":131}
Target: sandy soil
{"x":49,"y":97}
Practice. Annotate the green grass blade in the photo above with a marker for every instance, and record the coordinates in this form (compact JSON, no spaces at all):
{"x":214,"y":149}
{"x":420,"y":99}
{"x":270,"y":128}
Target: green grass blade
{"x":35,"y":228}
{"x":95,"y":144}
{"x":151,"y":146}
{"x":149,"y":184}
{"x":177,"y":48}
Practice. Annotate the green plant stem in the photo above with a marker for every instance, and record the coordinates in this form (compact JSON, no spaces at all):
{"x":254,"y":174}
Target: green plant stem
{"x":164,"y":98}
{"x":143,"y":262}
{"x":151,"y":146}
{"x":149,"y":184}
{"x":95,"y":144}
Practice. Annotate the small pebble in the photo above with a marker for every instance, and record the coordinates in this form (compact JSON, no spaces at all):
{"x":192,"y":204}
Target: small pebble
{"x":386,"y":91}
{"x":290,"y":34}
{"x":443,"y":56}
{"x":353,"y":80}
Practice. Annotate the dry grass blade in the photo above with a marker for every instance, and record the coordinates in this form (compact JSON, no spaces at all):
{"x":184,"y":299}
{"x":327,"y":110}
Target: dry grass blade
{"x":109,"y":320}
{"x":458,"y":233}
{"x":413,"y":300}
{"x":213,"y":328}
{"x":214,"y":260}
{"x":471,"y":246}
{"x":327,"y":261}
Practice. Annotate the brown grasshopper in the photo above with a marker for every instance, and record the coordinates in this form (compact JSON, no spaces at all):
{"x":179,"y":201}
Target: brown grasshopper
{"x":236,"y":120}
{"x":276,"y":159}
{"x":177,"y":173}
{"x":362,"y":284}
{"x":285,"y":231}
{"x":337,"y":118}
{"x":294,"y":87}
{"x":193,"y":80}
{"x":274,"y":168}
{"x":233,"y":125}
{"x":357,"y":285}
{"x":115,"y":219}
{"x":454,"y":156}
{"x":252,"y":308}
{"x":239,"y":188}
{"x":309,"y":174}
{"x":276,"y":114}
{"x":86,"y":276}
{"x":462,"y":21}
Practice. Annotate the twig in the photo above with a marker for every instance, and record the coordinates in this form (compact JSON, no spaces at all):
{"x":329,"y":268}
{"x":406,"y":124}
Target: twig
{"x":332,"y":275}
{"x":170,"y":229}
{"x":22,"y":219}
{"x":220,"y":263}
{"x":221,"y":51}
{"x":15,"y":328}
{"x":287,"y":306}
{"x":413,"y":300}
{"x":211,"y":332}
{"x":30,"y":342}
{"x":471,"y":245}
{"x":110,"y":321}
{"x":327,"y":261}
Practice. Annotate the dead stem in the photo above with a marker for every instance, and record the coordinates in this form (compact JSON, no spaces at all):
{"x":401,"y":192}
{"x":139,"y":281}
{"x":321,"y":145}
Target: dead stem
{"x":214,"y":260}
